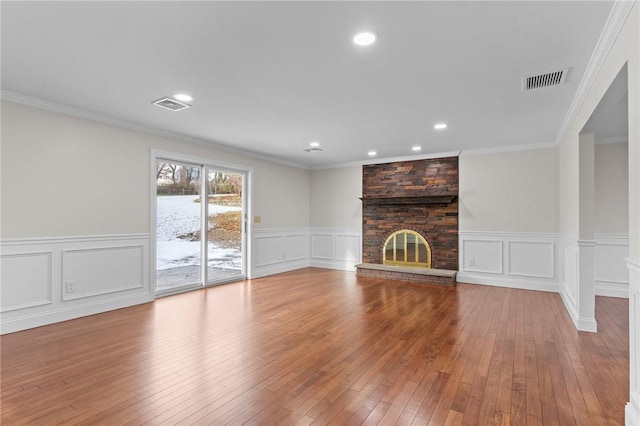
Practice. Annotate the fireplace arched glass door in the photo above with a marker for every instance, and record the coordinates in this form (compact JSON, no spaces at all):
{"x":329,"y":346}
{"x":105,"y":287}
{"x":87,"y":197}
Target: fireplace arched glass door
{"x":406,"y":248}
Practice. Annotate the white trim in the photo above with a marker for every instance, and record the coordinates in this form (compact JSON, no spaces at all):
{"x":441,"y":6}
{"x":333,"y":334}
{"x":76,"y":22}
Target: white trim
{"x":514,"y":235}
{"x":504,"y":275}
{"x":500,"y":281}
{"x":278,"y":261}
{"x":552,"y":261}
{"x":634,"y":268}
{"x":632,"y":409}
{"x":507,"y":148}
{"x":581,"y":324}
{"x":67,"y":296}
{"x":73,"y":239}
{"x":118,"y":122}
{"x":48,"y":300}
{"x":583,"y":253}
{"x":467,"y":268}
{"x":388,"y":160}
{"x":62,"y":308}
{"x":67,"y":313}
{"x":611,"y":239}
{"x":612,"y":28}
{"x":334,"y":259}
{"x":247,"y":207}
{"x":617,"y":289}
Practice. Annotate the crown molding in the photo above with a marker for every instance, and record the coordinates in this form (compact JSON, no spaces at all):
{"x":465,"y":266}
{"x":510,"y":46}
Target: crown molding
{"x":388,"y":160}
{"x":508,"y":148}
{"x":117,"y":122}
{"x":617,"y":17}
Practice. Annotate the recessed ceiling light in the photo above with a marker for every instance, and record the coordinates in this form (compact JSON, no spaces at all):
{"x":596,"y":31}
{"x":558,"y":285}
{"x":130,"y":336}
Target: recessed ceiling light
{"x":314,"y":144}
{"x":416,"y":148}
{"x":372,"y":153}
{"x":365,"y":38}
{"x":182,"y":97}
{"x":440,"y":126}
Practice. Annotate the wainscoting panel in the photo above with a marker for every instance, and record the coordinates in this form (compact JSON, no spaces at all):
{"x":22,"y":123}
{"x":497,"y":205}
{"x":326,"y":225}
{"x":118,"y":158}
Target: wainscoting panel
{"x":322,"y":246}
{"x":94,"y":271}
{"x":296,"y":247}
{"x":336,"y":248}
{"x":279,"y":250}
{"x":269,"y":250}
{"x":531,"y":259}
{"x":56,"y":279}
{"x":26,"y":280}
{"x":509,"y":259}
{"x":348,"y":248}
{"x":611,"y":273}
{"x":483,"y":256}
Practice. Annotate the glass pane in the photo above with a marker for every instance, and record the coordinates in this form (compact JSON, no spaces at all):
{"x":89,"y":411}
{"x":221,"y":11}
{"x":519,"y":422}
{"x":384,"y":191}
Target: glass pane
{"x":388,"y":251}
{"x":224,"y":236}
{"x":411,"y":248}
{"x":178,"y":218}
{"x":400,"y":247}
{"x":422,"y":253}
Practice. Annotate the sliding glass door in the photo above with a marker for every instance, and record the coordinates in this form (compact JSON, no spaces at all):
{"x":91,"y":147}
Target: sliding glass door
{"x":190,"y":199}
{"x":225,"y":222}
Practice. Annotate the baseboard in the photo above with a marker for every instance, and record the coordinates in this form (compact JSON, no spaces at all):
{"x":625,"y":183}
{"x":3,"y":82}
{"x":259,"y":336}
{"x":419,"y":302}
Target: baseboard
{"x":48,"y":280}
{"x":632,"y":411}
{"x":511,"y":282}
{"x":279,"y":268}
{"x":334,"y":264}
{"x":581,"y":324}
{"x":612,"y":289}
{"x":68,"y":313}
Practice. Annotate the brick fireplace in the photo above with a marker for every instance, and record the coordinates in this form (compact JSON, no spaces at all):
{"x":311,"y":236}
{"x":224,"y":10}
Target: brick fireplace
{"x":420,"y":196}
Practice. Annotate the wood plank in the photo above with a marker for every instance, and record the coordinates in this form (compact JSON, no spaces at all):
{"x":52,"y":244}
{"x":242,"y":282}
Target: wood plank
{"x":320,"y":347}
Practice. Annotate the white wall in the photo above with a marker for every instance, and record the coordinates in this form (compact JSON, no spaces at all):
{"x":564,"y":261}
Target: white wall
{"x":335,"y":197}
{"x":508,"y":210}
{"x":76,"y":198}
{"x":512,"y":191}
{"x":611,"y":227}
{"x":336,"y":217}
{"x":93,"y":179}
{"x":612,"y":188}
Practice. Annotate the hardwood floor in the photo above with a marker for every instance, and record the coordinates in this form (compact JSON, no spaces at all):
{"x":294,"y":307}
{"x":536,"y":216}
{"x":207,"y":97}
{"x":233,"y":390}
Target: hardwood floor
{"x":322,"y":347}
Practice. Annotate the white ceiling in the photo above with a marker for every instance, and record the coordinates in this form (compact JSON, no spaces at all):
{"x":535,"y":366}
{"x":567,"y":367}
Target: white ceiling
{"x":270,"y":77}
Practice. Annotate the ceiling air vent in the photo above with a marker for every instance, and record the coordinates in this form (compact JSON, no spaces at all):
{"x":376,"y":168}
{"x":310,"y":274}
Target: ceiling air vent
{"x":312,"y":149}
{"x":171,"y":104}
{"x":554,"y":78}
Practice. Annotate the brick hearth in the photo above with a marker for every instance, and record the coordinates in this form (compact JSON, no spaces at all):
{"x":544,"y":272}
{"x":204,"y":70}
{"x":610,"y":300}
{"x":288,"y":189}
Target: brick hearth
{"x":405,"y":273}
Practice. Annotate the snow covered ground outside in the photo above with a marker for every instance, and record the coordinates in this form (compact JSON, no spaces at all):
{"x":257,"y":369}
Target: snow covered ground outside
{"x":180,"y":215}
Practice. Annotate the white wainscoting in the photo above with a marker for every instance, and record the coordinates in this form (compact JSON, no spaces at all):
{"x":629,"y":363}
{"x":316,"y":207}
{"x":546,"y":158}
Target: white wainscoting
{"x":56,"y":279}
{"x":509,"y":259}
{"x":611,"y":273}
{"x":279,"y":250}
{"x":632,"y":409}
{"x":334,"y":248}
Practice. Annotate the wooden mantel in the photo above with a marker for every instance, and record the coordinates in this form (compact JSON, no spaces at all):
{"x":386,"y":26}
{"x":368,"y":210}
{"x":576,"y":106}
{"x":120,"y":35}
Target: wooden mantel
{"x":400,"y":201}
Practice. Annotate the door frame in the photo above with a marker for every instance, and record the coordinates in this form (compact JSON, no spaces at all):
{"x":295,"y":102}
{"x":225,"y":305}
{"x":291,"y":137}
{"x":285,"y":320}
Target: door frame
{"x":247,"y":197}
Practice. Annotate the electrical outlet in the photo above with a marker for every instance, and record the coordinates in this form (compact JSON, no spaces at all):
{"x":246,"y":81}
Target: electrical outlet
{"x":70,"y":287}
{"x":472,"y":262}
{"x":257,"y":219}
